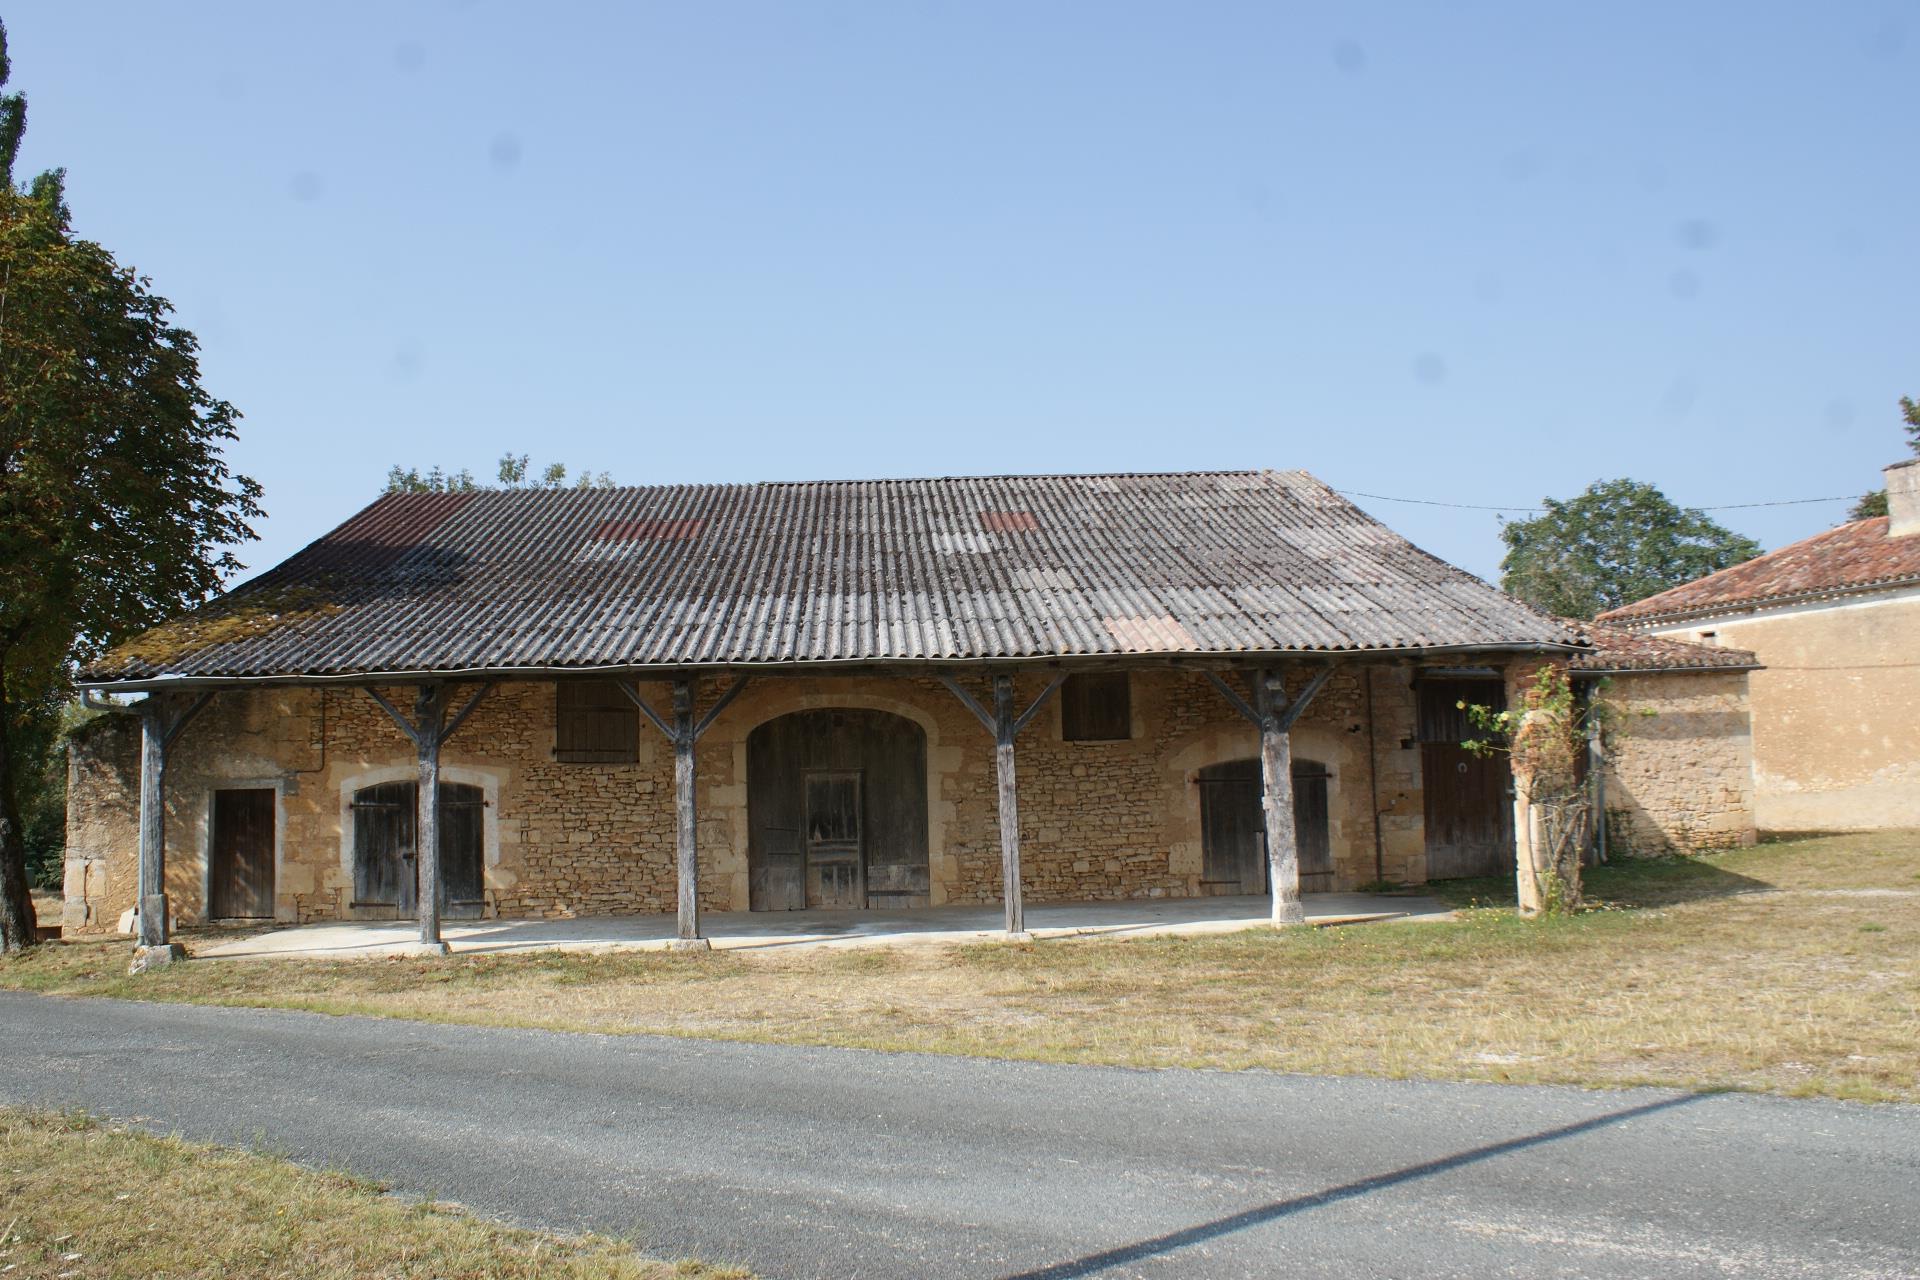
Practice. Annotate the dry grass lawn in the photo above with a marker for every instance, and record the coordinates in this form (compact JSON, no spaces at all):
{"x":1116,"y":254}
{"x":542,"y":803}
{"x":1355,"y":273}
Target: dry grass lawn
{"x":1793,"y":967}
{"x":90,"y":1202}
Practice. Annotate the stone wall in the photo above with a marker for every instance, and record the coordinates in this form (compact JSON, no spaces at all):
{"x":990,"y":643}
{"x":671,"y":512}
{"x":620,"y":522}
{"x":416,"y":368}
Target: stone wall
{"x":1679,"y":763}
{"x":1833,"y":710}
{"x":1098,"y":819}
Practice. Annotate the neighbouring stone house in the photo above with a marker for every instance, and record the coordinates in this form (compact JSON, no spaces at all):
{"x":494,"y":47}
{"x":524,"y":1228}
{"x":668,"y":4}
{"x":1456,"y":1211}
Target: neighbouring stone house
{"x":1677,"y":742}
{"x":1834,"y":621}
{"x":766,"y":697}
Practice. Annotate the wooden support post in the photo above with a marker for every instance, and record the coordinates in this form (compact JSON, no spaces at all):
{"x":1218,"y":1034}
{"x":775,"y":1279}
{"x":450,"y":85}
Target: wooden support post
{"x":1274,"y":716}
{"x":429,"y":714}
{"x":687,"y":829}
{"x":160,"y":723}
{"x":685,"y":732}
{"x":152,"y":896}
{"x":428,"y":729}
{"x":1009,"y":792}
{"x":1276,"y":799}
{"x":1005,"y":726}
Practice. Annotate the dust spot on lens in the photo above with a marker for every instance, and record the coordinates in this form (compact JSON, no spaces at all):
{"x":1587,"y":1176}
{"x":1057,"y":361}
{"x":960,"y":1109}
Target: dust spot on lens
{"x":504,"y":151}
{"x":1350,"y":57}
{"x":1697,"y":233}
{"x":306,"y":186}
{"x":1430,"y":368}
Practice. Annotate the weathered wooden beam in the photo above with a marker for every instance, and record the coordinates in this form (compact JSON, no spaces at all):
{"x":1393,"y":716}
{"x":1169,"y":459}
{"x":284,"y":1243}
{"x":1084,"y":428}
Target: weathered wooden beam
{"x":1298,"y":707}
{"x":429,"y":711}
{"x":1005,"y":730}
{"x":968,"y":701}
{"x":1232,"y":696}
{"x":460,"y":716}
{"x":152,"y":896}
{"x":713,"y":712}
{"x":1026,"y":717}
{"x":1274,"y":714}
{"x":398,"y":716}
{"x":1276,"y":800}
{"x":1005,"y":724}
{"x":687,"y":829}
{"x":632,"y":692}
{"x":161,"y":721}
{"x":428,"y":728}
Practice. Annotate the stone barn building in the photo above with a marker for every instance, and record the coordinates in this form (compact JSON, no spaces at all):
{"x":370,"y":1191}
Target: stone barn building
{"x":763,"y":697}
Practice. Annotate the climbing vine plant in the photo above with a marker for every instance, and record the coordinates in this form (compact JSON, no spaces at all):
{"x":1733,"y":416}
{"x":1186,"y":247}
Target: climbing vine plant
{"x":1546,"y":738}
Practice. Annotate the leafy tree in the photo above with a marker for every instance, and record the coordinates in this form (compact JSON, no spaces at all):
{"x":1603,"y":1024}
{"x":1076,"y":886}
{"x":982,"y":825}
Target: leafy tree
{"x":1618,"y":542}
{"x":514,"y":473}
{"x":1875,"y":503}
{"x":117,"y":507}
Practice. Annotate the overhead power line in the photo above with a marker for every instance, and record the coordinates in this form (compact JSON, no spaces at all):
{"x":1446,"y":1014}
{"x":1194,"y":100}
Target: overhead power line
{"x":1470,"y":506}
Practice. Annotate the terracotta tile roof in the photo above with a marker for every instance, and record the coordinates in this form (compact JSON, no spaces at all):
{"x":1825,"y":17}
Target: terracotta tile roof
{"x":885,"y":571}
{"x":1617,"y":649}
{"x":1853,"y":558}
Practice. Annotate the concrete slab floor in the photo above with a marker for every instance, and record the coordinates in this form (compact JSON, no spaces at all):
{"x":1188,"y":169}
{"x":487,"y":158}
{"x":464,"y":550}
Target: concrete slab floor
{"x":745,"y":930}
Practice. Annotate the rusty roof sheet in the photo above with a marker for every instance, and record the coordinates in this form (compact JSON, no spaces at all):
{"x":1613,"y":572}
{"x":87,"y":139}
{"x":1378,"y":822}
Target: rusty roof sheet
{"x":881,"y":571}
{"x":1616,"y":649}
{"x":1848,"y":560}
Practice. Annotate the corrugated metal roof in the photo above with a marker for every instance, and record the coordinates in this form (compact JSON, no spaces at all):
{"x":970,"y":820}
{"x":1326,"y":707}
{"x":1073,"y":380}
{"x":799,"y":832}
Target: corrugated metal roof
{"x":1852,"y":559}
{"x":881,"y":571}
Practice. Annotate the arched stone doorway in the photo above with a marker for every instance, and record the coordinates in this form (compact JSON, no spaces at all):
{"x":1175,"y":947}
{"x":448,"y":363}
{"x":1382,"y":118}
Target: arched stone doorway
{"x":385,"y":850}
{"x":1233,"y":831}
{"x":837,"y":811}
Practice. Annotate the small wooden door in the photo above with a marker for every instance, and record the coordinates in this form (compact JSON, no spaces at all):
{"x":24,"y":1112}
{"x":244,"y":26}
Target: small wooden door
{"x":385,"y":863}
{"x":1468,"y":797}
{"x":383,"y":848}
{"x":1233,"y":827}
{"x":834,"y":864}
{"x":240,"y":870}
{"x":463,"y":817}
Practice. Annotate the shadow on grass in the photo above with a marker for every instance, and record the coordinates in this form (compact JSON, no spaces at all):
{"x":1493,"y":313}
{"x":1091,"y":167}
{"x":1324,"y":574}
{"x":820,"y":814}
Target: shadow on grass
{"x":1141,"y":1250}
{"x":1629,"y":882}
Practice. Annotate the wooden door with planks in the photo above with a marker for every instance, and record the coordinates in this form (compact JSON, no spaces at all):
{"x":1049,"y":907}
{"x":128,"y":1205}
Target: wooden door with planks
{"x":1233,"y":829}
{"x":1468,"y":796}
{"x":837,"y":811}
{"x":835,"y":868}
{"x":385,"y":862}
{"x":240,"y":868}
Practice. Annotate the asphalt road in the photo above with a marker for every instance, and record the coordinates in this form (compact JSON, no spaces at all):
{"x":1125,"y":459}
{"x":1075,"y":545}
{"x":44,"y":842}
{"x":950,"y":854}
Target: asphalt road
{"x":833,"y":1163}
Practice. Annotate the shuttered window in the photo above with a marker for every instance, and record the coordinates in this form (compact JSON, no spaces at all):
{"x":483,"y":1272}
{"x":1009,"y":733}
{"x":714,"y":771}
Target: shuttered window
{"x":1096,"y":708}
{"x":594,"y":723}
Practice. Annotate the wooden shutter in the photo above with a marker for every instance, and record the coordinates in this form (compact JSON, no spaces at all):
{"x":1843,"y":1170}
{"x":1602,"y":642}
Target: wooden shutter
{"x":1096,"y":708}
{"x":594,"y":723}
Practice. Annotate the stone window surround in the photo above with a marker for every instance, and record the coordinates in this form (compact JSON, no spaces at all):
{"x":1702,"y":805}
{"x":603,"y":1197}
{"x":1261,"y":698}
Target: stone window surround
{"x":278,"y":785}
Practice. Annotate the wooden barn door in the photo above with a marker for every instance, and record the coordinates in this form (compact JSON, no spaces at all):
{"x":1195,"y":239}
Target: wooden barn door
{"x":1233,"y":832}
{"x":240,"y":871}
{"x":385,"y":864}
{"x":834,"y":866}
{"x":837,"y":811}
{"x":463,"y":817}
{"x":383,"y":847}
{"x":1469,"y":797}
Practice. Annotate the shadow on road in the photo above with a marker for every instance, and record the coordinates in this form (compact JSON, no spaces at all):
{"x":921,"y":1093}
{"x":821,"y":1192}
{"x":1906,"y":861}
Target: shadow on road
{"x":1139,"y":1251}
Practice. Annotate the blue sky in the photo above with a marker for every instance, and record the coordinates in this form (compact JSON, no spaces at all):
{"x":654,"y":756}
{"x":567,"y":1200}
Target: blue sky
{"x":1465,"y":252}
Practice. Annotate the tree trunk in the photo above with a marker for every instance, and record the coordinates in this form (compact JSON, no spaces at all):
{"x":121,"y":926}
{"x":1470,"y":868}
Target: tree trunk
{"x":18,"y":928}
